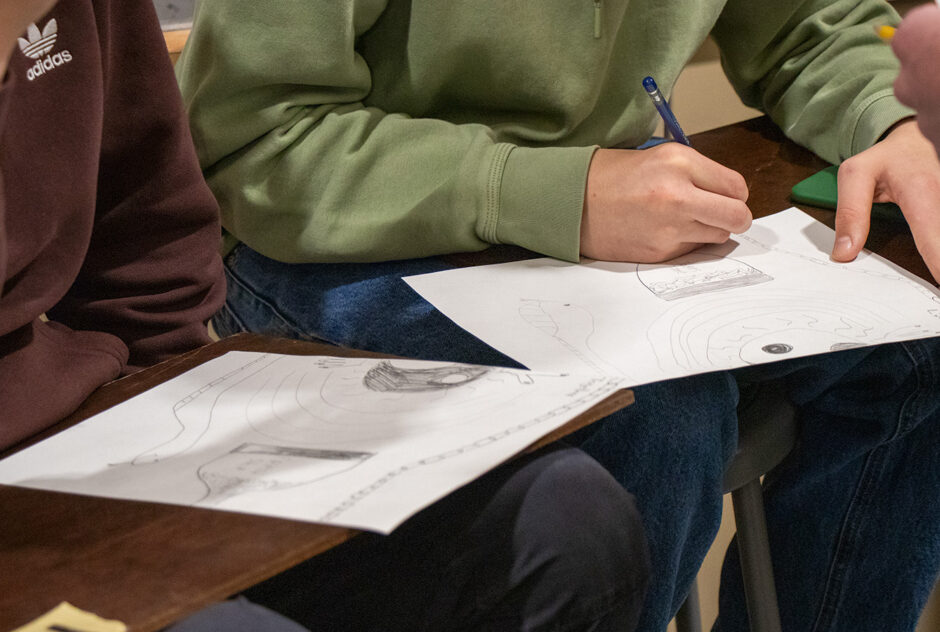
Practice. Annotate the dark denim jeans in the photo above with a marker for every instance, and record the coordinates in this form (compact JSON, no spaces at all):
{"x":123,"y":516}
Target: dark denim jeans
{"x":523,"y":547}
{"x":853,"y":513}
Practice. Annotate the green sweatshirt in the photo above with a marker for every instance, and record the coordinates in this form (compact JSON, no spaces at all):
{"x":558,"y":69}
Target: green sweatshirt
{"x":370,"y":130}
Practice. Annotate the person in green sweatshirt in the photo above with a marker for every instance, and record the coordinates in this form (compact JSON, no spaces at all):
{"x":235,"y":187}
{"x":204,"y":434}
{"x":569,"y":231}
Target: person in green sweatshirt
{"x":352,"y":143}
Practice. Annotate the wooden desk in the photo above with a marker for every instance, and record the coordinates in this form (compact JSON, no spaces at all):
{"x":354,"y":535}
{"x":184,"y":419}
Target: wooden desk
{"x":146,"y":564}
{"x":149,"y":565}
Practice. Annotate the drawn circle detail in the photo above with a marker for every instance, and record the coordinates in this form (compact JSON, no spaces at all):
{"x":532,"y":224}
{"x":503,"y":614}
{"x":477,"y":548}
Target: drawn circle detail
{"x":454,"y":379}
{"x":777,"y":348}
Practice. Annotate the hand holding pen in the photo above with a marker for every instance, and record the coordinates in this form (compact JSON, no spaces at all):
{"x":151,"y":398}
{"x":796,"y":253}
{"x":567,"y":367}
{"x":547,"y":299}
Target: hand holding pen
{"x":656,"y":204}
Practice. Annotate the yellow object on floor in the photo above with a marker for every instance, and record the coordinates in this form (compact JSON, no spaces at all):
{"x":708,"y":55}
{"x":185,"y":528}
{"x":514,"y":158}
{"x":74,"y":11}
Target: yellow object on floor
{"x":67,"y":618}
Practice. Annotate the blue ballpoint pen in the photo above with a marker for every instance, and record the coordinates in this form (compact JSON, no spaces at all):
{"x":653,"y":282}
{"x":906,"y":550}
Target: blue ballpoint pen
{"x":662,"y":106}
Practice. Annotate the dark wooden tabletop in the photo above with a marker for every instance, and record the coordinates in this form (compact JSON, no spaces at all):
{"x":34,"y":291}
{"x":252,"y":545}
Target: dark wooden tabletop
{"x":150,"y":564}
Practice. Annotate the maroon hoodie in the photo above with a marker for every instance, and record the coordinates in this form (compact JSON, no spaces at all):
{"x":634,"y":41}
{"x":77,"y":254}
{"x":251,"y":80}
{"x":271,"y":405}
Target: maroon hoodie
{"x":106,"y":225}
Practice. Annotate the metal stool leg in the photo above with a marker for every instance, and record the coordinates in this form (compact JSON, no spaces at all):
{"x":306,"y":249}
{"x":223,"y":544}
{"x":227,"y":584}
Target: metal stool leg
{"x":756,"y":568}
{"x":689,"y":617}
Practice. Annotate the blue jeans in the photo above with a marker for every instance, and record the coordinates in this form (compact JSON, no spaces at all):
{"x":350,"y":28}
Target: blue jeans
{"x":857,"y":502}
{"x":522,"y":548}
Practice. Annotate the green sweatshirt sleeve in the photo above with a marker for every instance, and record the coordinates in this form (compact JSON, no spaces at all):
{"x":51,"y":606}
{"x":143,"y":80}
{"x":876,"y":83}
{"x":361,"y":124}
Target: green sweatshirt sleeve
{"x":816,"y":67}
{"x":305,"y":171}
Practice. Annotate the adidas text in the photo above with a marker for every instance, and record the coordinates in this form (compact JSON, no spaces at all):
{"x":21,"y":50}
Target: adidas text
{"x":43,"y":66}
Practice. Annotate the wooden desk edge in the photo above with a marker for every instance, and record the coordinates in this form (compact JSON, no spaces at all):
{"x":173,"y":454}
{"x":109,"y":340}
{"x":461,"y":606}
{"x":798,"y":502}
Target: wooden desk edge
{"x":53,"y":510}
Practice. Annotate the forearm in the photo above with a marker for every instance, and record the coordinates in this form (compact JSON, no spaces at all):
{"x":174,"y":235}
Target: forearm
{"x":306,"y":169}
{"x":819,"y":69}
{"x":358,"y":185}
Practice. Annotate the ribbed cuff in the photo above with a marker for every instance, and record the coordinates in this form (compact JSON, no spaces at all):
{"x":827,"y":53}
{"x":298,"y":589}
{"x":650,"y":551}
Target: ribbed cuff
{"x":879,"y":112}
{"x":541,"y":196}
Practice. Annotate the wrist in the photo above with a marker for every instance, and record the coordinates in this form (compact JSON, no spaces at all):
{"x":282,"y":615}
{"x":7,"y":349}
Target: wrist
{"x":901,"y":123}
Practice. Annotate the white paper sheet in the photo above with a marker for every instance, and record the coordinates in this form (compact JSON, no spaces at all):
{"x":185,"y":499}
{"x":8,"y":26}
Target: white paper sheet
{"x":355,"y":442}
{"x":769,"y":294}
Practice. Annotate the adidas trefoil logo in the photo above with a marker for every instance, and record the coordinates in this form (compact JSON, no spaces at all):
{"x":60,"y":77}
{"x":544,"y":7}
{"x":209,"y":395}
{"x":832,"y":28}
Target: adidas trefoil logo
{"x":39,"y":45}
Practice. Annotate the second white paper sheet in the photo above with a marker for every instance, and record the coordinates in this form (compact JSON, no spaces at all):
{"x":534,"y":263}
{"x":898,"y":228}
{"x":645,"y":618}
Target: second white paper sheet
{"x":346,"y":441}
{"x":769,"y":294}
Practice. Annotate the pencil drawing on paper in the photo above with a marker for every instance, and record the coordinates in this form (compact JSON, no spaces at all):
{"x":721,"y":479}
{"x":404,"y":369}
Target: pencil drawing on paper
{"x":258,"y":467}
{"x":358,"y":442}
{"x":282,"y":418}
{"x":188,"y":412}
{"x":751,"y":329}
{"x":290,"y":405}
{"x":714,"y":311}
{"x":697,"y":273}
{"x":570,"y":326}
{"x":387,"y":377}
{"x":586,"y":391}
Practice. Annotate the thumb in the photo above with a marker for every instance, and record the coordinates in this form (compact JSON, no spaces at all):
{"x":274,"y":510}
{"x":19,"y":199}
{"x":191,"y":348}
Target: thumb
{"x":853,"y":212}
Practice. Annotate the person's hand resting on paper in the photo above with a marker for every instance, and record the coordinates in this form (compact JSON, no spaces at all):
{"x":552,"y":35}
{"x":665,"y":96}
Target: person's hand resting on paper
{"x":651,"y":205}
{"x":902,"y":168}
{"x":15,"y":18}
{"x":917,"y":46}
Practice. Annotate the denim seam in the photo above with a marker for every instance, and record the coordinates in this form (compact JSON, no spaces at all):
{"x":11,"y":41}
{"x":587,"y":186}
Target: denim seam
{"x":908,"y":415}
{"x":275,"y":313}
{"x":912,"y":407}
{"x":846,"y":547}
{"x":227,"y":313}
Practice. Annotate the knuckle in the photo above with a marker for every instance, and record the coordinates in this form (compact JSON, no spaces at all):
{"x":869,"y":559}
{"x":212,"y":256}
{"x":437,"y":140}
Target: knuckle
{"x":862,"y":169}
{"x":849,"y":212}
{"x":675,"y":154}
{"x":661,"y":196}
{"x":851,"y":167}
{"x":671,"y":197}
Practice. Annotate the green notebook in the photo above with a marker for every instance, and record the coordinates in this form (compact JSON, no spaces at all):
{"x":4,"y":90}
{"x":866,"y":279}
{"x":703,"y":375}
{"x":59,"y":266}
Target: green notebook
{"x":820,"y":190}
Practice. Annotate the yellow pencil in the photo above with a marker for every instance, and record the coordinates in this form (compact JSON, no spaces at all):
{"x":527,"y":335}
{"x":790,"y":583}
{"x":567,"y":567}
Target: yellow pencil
{"x":885,"y":32}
